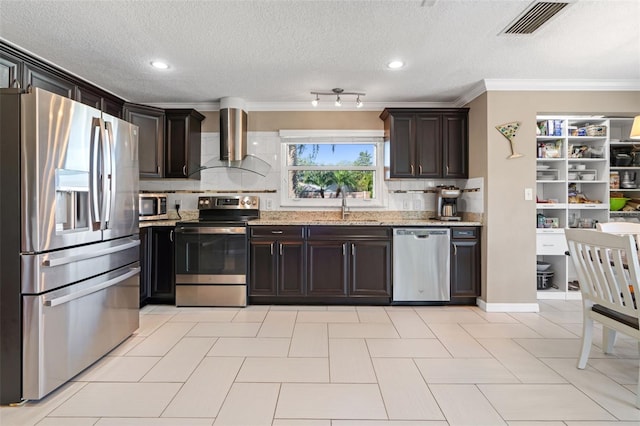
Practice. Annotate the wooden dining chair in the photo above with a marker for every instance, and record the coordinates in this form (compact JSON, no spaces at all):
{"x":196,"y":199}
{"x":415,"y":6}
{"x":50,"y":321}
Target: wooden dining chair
{"x":622,"y":228}
{"x":608,"y":271}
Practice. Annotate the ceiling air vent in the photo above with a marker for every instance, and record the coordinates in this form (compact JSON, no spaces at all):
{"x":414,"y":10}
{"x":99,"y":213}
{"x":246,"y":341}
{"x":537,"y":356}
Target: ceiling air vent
{"x":534,"y":17}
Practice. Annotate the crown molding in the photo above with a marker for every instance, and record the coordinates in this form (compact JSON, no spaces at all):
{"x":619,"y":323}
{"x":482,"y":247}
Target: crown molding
{"x":482,"y":86}
{"x":561,"y":85}
{"x":305,"y":106}
{"x":478,"y":89}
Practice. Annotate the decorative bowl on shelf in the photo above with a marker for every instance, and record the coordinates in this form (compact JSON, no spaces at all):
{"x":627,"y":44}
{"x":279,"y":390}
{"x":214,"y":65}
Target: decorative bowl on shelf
{"x":588,"y":176}
{"x":542,"y":266}
{"x":616,"y":204}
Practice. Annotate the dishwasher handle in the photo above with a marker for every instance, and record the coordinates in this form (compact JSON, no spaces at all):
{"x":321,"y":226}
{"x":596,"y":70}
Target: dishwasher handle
{"x":420,"y":232}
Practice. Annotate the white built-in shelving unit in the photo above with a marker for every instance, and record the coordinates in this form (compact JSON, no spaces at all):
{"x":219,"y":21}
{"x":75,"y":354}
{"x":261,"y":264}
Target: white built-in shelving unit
{"x":572,"y":189}
{"x":619,"y":142}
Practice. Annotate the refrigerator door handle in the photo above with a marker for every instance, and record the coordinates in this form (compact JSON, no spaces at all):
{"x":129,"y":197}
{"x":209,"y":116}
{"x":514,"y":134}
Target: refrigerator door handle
{"x":94,"y":178}
{"x":89,"y":255}
{"x":107,"y":161}
{"x":84,"y":292}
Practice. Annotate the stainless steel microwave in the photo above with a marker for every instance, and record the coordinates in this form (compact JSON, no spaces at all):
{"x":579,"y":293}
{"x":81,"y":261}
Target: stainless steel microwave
{"x":153,"y":207}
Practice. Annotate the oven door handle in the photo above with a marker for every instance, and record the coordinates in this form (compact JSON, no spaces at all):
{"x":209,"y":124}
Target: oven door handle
{"x":212,"y":230}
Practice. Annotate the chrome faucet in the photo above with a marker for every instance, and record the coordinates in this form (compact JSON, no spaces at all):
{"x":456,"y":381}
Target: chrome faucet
{"x":345,"y":209}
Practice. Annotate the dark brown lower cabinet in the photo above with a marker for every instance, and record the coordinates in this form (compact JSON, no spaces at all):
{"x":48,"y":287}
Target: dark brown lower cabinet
{"x":145,"y":266}
{"x":349,"y":264}
{"x":465,"y":265}
{"x":157,"y":278}
{"x":327,"y":269}
{"x":276,"y":263}
{"x":318,"y":264}
{"x":370,"y":268}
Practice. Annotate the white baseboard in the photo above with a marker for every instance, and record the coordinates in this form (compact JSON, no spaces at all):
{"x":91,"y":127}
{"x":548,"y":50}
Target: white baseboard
{"x":507,"y":307}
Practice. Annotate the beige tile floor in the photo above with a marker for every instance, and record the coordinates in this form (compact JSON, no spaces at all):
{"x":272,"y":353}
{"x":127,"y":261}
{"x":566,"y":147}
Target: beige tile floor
{"x":348,"y":366}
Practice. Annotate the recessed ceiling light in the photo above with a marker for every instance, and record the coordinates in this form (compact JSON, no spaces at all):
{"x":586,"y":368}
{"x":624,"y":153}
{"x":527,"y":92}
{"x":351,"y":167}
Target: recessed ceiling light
{"x":394,"y":65}
{"x":160,"y":65}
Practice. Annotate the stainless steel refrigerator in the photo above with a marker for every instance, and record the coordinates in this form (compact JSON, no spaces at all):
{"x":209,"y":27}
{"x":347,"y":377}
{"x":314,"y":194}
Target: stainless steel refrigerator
{"x":69,"y":288}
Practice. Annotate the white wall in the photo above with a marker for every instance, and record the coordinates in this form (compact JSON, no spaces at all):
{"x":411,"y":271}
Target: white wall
{"x":266,"y":145}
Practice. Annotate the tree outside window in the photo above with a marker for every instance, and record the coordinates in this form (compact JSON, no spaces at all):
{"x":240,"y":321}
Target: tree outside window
{"x":331,"y":170}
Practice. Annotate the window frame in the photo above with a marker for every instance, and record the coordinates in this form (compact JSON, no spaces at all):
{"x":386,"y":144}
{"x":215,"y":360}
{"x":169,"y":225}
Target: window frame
{"x":335,"y":137}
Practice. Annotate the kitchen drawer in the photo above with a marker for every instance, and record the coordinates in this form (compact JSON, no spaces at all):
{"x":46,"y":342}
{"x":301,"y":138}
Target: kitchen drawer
{"x":464,"y":233}
{"x":347,"y":232}
{"x":551,"y":244}
{"x":289,"y":232}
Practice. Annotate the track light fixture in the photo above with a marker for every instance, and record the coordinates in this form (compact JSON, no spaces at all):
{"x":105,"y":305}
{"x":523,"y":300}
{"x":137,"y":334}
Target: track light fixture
{"x":337,"y":92}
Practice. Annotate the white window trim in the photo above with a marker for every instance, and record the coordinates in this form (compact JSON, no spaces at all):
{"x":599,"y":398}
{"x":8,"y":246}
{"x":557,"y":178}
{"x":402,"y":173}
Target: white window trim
{"x":297,"y":136}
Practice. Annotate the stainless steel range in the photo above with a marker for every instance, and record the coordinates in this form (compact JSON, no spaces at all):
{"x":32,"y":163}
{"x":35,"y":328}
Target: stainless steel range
{"x":211,"y":252}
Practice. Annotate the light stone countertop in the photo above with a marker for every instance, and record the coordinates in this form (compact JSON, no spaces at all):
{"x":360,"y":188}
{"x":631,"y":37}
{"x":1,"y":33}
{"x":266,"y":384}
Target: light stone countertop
{"x":366,"y":222}
{"x":360,"y":218}
{"x":166,"y":222}
{"x":356,"y":218}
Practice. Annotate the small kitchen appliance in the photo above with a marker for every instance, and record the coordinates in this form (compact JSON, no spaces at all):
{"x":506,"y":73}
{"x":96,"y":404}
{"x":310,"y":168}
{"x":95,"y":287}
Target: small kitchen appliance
{"x":448,"y":202}
{"x":628,"y":180}
{"x":152,"y":206}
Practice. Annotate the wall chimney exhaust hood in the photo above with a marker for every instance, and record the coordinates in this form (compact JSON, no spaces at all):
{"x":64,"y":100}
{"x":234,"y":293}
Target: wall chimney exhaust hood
{"x":233,"y":140}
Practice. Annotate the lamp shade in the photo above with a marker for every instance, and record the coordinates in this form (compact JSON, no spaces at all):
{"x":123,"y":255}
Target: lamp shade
{"x":635,"y":128}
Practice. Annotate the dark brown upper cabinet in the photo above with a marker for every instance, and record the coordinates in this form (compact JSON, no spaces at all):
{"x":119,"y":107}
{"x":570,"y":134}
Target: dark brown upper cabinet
{"x":426,"y":143}
{"x":48,"y":80}
{"x":10,"y":70}
{"x":150,"y":122}
{"x":19,"y":69}
{"x":182,"y":147}
{"x":97,"y":99}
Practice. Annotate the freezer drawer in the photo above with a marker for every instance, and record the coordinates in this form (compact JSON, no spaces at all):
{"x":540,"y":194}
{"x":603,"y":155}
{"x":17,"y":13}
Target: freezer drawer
{"x":49,"y":271}
{"x":67,"y":330}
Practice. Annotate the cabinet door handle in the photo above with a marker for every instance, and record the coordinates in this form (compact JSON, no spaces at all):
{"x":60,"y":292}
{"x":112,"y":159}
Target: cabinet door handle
{"x":157,"y":169}
{"x":343,"y":249}
{"x":447,"y":169}
{"x":271,"y":248}
{"x":184,"y":170}
{"x":171,"y":235}
{"x":280,"y":249}
{"x":411,"y":168}
{"x":420,"y":169}
{"x":455,"y":249}
{"x":353,"y":249}
{"x":277,"y":232}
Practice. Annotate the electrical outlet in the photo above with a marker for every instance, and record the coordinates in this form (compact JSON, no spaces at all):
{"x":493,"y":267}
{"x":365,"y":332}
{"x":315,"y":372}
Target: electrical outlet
{"x":417,"y":205}
{"x":269,"y":204}
{"x":178,"y":204}
{"x":405,"y":205}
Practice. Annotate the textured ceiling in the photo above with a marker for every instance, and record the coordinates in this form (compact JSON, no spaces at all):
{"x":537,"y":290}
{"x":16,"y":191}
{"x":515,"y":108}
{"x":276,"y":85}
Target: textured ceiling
{"x":277,"y":51}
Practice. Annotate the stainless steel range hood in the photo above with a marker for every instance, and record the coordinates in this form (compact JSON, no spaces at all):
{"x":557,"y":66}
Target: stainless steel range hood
{"x":233,"y":140}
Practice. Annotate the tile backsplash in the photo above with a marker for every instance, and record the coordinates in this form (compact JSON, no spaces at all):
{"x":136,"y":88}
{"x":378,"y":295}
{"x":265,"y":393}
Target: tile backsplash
{"x":398,"y":195}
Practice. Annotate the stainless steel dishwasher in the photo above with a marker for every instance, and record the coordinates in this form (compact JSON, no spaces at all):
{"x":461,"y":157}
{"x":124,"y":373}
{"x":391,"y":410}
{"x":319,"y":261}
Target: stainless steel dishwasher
{"x":421,"y":264}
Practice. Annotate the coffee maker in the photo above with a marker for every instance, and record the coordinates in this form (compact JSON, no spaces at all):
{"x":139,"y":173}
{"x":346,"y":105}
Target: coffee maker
{"x":447,"y":202}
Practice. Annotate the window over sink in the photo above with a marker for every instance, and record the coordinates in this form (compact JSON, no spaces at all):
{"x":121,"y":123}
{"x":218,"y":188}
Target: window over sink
{"x":319,"y":168}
